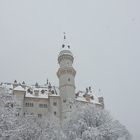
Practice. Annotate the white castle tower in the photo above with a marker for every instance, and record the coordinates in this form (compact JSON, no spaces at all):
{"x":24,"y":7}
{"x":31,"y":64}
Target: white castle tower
{"x":66,"y":75}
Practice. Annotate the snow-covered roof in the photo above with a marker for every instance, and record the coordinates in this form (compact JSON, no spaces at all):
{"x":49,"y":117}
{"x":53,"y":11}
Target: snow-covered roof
{"x":41,"y":92}
{"x":7,"y":85}
{"x":44,"y":92}
{"x":89,"y":97}
{"x":40,"y":95}
{"x":65,"y":52}
{"x":19,"y":88}
{"x":84,"y":100}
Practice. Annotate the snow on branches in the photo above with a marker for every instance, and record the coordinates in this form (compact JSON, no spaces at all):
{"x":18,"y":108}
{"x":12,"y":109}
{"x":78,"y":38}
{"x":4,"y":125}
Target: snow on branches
{"x":85,"y":123}
{"x":91,"y":123}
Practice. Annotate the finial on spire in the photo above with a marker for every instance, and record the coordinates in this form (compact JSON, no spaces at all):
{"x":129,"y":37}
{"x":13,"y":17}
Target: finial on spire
{"x":65,"y":43}
{"x":47,"y":81}
{"x":64,"y":35}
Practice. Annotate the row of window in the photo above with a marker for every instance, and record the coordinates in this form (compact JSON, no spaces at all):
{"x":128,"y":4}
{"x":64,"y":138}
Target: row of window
{"x":39,"y":115}
{"x":40,"y":105}
{"x":43,"y":105}
{"x":28,"y":114}
{"x":29,"y":104}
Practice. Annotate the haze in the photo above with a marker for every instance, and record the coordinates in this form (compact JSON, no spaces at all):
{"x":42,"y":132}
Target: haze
{"x":104,"y":36}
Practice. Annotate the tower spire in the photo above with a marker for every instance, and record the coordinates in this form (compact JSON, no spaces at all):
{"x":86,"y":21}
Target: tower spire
{"x":64,"y":35}
{"x":65,"y":44}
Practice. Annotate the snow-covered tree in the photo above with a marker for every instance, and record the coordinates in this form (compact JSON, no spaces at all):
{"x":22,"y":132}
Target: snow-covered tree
{"x":92,"y":123}
{"x":85,"y":123}
{"x":14,"y":127}
{"x":52,"y":131}
{"x":7,"y":113}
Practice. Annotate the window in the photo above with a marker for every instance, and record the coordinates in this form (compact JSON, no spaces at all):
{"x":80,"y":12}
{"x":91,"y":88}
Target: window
{"x":39,"y":115}
{"x":12,"y":105}
{"x":70,"y":107}
{"x":55,"y":113}
{"x":29,"y":104}
{"x":17,"y":114}
{"x":55,"y":103}
{"x":69,"y":79}
{"x":64,"y":101}
{"x":42,"y":91}
{"x":43,"y":105}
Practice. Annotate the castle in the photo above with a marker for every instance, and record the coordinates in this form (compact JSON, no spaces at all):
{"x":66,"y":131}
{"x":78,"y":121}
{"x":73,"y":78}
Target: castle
{"x":47,"y":100}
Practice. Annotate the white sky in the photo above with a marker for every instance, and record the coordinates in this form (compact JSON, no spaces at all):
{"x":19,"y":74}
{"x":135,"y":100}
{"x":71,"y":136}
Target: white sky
{"x":104,"y":36}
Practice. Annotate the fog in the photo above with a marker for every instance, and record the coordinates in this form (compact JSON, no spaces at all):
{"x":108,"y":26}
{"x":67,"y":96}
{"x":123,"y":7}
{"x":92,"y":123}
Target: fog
{"x":104,"y":37}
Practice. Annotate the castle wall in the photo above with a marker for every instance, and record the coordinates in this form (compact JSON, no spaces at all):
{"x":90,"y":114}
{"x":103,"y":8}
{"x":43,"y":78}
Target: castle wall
{"x":36,"y":107}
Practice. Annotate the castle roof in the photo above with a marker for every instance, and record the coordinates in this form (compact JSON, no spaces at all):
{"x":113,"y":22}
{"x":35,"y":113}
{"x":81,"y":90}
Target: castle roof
{"x":41,"y":92}
{"x":7,"y":85}
{"x":89,"y":97}
{"x":19,"y":88}
{"x":65,"y":52}
{"x":40,"y":95}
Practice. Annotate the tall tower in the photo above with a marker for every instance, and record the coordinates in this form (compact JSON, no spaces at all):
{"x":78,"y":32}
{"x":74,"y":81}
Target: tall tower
{"x":66,"y":74}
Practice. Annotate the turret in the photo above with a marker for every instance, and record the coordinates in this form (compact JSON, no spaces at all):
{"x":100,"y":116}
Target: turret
{"x":19,"y":93}
{"x":66,"y":74}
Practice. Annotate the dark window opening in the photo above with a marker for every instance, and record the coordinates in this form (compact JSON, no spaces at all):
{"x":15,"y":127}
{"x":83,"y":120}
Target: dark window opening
{"x":64,"y":101}
{"x":55,"y":103}
{"x":55,"y":113}
{"x":29,"y":104}
{"x":39,"y":115}
{"x":17,"y":114}
{"x":42,"y":91}
{"x":43,"y":105}
{"x":12,"y":105}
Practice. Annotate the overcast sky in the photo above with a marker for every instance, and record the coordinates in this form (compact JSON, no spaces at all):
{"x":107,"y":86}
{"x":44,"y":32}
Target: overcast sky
{"x":105,"y":39}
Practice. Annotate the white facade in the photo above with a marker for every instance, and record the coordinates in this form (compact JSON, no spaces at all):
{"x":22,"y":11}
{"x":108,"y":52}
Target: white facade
{"x":66,"y":75}
{"x":40,"y":102}
{"x":47,"y":101}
